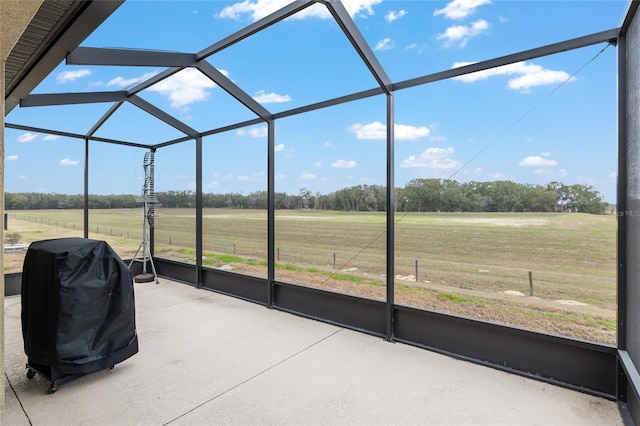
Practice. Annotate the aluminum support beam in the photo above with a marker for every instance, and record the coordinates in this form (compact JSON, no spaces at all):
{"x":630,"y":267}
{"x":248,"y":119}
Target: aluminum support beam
{"x":72,"y":135}
{"x":271,"y":214}
{"x":51,"y":99}
{"x":629,"y":16}
{"x":267,"y":21}
{"x":609,"y":36}
{"x":340,"y":14}
{"x":391,"y":207}
{"x":213,"y":132}
{"x":621,"y":196}
{"x":231,"y":88}
{"x":331,"y":102}
{"x":176,"y":141}
{"x":152,"y":229}
{"x":129,"y":57}
{"x":234,"y":127}
{"x":163,"y":116}
{"x":104,"y":118}
{"x":86,"y":189}
{"x":117,"y":142}
{"x":199,"y":205}
{"x":43,"y":130}
{"x":153,"y":80}
{"x":628,"y":379}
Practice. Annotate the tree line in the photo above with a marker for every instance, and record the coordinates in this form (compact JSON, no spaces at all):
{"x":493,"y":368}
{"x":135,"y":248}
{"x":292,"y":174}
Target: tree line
{"x":418,"y":195}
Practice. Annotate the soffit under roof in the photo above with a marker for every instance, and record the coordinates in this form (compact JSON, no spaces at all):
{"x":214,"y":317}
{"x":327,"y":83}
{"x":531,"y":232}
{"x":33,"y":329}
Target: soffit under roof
{"x":58,"y":27}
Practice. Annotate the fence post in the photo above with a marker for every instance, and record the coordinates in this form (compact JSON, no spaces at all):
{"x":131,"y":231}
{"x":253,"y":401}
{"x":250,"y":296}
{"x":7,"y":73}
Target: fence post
{"x":530,"y":283}
{"x":416,"y":270}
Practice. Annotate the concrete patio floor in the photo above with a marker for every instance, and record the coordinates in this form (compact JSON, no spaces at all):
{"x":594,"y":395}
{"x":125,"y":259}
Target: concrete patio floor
{"x":207,"y":359}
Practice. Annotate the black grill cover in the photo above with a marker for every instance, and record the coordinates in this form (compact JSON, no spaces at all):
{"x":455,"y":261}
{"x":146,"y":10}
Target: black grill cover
{"x":78,"y":310}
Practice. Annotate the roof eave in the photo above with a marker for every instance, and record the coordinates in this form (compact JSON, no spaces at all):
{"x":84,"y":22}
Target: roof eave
{"x":63,"y":36}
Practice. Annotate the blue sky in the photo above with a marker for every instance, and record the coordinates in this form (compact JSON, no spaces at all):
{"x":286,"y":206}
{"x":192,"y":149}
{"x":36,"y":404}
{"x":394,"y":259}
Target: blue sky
{"x":547,"y":119}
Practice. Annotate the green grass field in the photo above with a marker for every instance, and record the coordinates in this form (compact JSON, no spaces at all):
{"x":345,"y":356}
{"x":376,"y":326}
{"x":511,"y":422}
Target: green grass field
{"x":465,"y":261}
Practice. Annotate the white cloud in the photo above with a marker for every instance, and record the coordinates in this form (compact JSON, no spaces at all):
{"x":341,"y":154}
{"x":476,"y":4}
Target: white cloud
{"x":545,"y":154}
{"x":419,"y":48}
{"x":279,"y":147}
{"x":327,"y":144}
{"x":537,"y":161}
{"x":377,"y":130}
{"x":213,"y":184}
{"x":243,"y":178}
{"x":524,"y":83}
{"x":266,"y":98}
{"x":26,"y":137}
{"x":68,"y":162}
{"x":459,"y":9}
{"x":307,"y":176}
{"x":393,"y":15}
{"x":408,"y":133}
{"x":528,"y":75}
{"x":69,"y":76}
{"x":12,"y":157}
{"x":256,"y":132}
{"x":319,"y":163}
{"x":185,"y":87}
{"x":385,"y":44}
{"x":459,"y":35}
{"x":125,"y":83}
{"x":257,"y":9}
{"x":21,"y":177}
{"x":344,"y":164}
{"x":51,"y":137}
{"x":433,"y":158}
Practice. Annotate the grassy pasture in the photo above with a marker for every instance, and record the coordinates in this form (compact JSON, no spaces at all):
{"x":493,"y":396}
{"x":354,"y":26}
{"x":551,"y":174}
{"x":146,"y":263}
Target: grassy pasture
{"x":466,"y":261}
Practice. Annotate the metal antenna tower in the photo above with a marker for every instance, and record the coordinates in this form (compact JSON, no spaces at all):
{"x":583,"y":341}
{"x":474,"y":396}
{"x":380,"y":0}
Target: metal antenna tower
{"x":150,"y":202}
